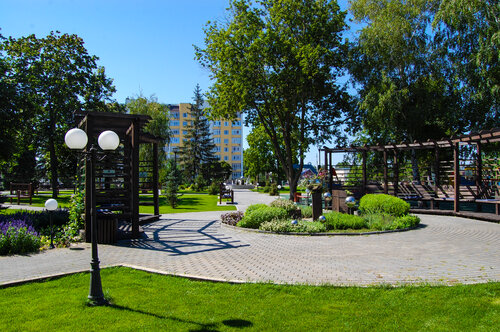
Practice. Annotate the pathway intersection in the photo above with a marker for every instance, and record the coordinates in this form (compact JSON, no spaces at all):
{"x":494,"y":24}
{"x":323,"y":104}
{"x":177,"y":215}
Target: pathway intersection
{"x":444,"y":250}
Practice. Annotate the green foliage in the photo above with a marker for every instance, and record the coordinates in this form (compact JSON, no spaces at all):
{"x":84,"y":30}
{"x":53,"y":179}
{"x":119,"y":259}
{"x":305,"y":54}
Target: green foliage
{"x":255,"y":207}
{"x":172,"y":184}
{"x":214,"y":188}
{"x":273,"y":190}
{"x":408,"y":221}
{"x":256,"y":217}
{"x":307,"y":211}
{"x":54,"y":77}
{"x":77,"y":209}
{"x":342,"y":221}
{"x":279,"y":63}
{"x":285,"y":204}
{"x":384,"y":204}
{"x":198,"y":147}
{"x":285,"y":226}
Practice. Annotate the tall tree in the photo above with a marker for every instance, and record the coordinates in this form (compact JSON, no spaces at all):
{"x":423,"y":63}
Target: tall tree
{"x":198,"y":148}
{"x":55,"y":76}
{"x":278,"y":62}
{"x":468,"y":38}
{"x":403,"y":94}
{"x":159,"y":126}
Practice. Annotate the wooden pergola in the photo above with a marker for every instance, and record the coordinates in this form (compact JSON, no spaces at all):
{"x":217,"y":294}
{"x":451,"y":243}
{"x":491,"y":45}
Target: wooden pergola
{"x":394,"y":150}
{"x":117,"y":175}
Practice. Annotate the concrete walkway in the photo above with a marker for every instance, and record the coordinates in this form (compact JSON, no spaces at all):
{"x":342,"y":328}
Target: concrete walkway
{"x":443,"y":250}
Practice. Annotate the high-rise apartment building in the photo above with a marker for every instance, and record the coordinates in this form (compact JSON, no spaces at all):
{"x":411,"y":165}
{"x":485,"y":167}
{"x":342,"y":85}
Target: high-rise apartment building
{"x":227,"y":137}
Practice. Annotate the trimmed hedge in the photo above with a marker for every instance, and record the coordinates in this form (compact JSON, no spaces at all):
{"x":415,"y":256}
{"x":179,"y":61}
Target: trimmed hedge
{"x":340,"y":221}
{"x":384,"y":204}
{"x":256,"y":217}
{"x":255,"y":207}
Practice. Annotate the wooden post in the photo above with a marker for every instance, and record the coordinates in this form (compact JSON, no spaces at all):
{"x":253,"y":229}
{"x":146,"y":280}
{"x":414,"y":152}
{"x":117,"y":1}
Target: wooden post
{"x":396,"y":173}
{"x":134,"y":161}
{"x":88,"y":181}
{"x":456,"y":177}
{"x":437,"y":167}
{"x":156,"y":202}
{"x":479,"y":168}
{"x":364,"y":173}
{"x":386,"y":180}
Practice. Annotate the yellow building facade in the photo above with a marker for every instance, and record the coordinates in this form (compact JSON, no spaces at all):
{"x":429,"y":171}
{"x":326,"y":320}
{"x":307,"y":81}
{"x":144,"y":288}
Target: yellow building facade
{"x":226,"y":135}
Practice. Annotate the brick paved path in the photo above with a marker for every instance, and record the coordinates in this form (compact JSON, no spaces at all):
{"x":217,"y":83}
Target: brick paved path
{"x":443,"y":250}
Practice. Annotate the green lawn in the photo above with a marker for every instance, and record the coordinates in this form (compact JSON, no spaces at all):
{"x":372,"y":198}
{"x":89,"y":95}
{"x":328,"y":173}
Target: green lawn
{"x":149,"y":302}
{"x":187,"y":203}
{"x":40,"y":198}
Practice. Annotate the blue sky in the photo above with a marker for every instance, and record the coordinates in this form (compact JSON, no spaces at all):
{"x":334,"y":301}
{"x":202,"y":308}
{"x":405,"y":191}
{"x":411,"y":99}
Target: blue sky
{"x":146,"y":46}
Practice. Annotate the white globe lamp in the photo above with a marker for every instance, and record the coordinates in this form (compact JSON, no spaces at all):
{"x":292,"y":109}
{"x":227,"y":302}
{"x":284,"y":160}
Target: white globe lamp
{"x":108,"y":140}
{"x":76,"y":139}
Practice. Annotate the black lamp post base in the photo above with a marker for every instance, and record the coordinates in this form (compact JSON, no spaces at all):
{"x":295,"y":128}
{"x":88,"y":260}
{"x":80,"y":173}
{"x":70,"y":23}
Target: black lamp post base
{"x":96,"y":296}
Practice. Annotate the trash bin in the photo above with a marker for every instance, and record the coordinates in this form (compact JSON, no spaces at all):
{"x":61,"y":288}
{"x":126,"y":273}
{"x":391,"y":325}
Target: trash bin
{"x":107,"y":226}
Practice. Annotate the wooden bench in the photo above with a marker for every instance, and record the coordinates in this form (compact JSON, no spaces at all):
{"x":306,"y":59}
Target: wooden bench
{"x":21,"y":190}
{"x":225,"y":194}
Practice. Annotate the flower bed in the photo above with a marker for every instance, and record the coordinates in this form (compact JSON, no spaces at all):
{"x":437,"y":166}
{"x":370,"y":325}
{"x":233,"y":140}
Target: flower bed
{"x":282,"y":216}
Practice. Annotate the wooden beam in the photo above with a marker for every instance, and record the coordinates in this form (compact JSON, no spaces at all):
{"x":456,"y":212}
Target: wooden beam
{"x":156,"y":201}
{"x":386,"y":180}
{"x":456,"y":177}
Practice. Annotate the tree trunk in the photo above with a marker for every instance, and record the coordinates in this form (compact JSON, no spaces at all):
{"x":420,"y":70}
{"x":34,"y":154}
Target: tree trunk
{"x":53,"y":165}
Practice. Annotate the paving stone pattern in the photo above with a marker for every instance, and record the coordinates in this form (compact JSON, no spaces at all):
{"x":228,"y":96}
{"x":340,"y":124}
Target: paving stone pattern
{"x":444,"y":250}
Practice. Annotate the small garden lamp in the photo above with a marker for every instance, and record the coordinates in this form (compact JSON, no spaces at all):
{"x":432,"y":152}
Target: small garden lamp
{"x":51,"y":205}
{"x":108,"y":140}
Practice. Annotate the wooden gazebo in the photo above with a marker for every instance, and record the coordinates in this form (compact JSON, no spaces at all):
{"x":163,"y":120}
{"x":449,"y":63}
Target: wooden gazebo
{"x":481,"y":190}
{"x":117,"y":176}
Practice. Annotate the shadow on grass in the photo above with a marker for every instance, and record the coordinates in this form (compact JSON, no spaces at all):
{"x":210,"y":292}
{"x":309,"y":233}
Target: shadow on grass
{"x":238,"y":323}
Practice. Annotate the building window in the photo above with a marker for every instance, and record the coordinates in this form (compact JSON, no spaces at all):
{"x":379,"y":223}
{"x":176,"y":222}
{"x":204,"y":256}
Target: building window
{"x":236,"y":166}
{"x":175,"y":140}
{"x":226,"y":132}
{"x":175,"y":132}
{"x":216,"y":140}
{"x":237,"y":157}
{"x":175,"y":123}
{"x":226,"y":123}
{"x":236,"y":123}
{"x":236,"y":131}
{"x":184,"y":123}
{"x":216,"y":123}
{"x":226,"y":140}
{"x":216,"y":132}
{"x":175,"y":115}
{"x":236,"y":175}
{"x":236,"y":140}
{"x":226,"y":149}
{"x":236,"y":149}
{"x":184,"y":115}
{"x":184,"y":132}
{"x":226,"y":158}
{"x":217,"y":149}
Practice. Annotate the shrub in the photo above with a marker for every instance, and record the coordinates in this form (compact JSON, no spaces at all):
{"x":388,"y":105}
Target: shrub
{"x":266,"y":189}
{"x":408,"y":221}
{"x":379,"y":221}
{"x":256,"y":217}
{"x":273,"y":190}
{"x":285,"y":226}
{"x":38,"y":220}
{"x":255,"y":207}
{"x":336,"y":220}
{"x":232,"y":218}
{"x":284,"y":204}
{"x":381,"y":203}
{"x":307,"y":211}
{"x":18,"y":237}
{"x":214,"y":189}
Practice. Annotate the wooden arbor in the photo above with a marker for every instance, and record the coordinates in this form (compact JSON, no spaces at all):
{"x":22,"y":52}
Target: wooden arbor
{"x":117,"y":175}
{"x":478,"y":193}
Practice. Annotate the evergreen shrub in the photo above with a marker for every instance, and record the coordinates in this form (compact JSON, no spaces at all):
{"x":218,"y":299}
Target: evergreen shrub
{"x":385,"y":204}
{"x":255,"y":218}
{"x":340,"y":221}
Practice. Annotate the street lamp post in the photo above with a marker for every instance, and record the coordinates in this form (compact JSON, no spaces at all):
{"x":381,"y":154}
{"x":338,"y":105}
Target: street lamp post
{"x":77,"y":139}
{"x":51,"y":205}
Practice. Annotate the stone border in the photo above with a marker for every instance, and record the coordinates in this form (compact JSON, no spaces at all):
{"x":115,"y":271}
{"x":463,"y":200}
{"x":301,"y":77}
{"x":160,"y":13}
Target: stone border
{"x":252,"y":230}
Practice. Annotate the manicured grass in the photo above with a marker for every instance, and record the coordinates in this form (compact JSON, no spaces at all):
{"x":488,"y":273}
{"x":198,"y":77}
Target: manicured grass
{"x":146,"y":302}
{"x":187,"y":203}
{"x":42,"y":196}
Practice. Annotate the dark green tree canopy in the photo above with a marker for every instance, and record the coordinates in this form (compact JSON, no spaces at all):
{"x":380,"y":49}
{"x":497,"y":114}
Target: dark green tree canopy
{"x":54,"y":77}
{"x":278,"y":62}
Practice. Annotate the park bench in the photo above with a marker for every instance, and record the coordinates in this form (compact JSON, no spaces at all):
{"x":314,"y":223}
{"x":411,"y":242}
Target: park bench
{"x":21,"y":190}
{"x":225,"y":193}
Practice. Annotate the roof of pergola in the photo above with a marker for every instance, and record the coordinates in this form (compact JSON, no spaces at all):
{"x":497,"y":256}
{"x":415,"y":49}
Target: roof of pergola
{"x":482,"y":137}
